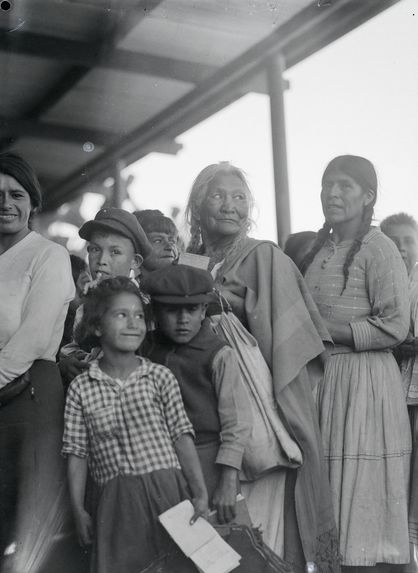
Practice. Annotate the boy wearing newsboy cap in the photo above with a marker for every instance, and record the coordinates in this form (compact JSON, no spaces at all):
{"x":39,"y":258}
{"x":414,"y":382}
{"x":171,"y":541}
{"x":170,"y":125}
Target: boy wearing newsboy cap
{"x":208,"y":374}
{"x":117,"y":246}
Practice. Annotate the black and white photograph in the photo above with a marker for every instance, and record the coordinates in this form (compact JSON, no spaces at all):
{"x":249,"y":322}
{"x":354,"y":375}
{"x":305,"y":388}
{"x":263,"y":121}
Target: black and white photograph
{"x":208,"y":286}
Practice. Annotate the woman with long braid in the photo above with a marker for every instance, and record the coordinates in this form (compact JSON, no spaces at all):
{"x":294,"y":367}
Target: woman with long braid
{"x":359,"y":283}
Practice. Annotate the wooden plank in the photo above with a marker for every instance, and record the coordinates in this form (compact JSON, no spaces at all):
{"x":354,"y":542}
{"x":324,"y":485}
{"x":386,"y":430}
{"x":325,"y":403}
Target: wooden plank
{"x":86,"y":55}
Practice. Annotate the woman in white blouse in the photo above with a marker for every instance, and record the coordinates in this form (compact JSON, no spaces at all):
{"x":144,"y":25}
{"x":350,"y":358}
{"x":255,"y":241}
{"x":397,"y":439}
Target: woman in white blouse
{"x":35,"y":289}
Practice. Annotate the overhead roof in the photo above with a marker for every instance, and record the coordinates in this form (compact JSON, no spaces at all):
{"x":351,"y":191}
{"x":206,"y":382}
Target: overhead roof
{"x":87,"y":82}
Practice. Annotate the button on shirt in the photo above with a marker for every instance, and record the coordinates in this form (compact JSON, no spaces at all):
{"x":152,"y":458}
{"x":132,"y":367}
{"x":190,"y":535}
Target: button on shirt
{"x":126,"y":428}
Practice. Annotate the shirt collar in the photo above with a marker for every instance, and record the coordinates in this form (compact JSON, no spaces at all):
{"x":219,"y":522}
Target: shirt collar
{"x":96,"y":373}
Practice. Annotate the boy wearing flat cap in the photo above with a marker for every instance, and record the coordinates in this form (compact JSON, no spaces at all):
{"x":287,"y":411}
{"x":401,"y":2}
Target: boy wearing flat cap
{"x":117,"y":246}
{"x":206,"y":368}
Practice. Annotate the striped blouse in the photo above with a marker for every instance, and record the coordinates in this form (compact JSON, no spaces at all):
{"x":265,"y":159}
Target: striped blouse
{"x":375,"y":301}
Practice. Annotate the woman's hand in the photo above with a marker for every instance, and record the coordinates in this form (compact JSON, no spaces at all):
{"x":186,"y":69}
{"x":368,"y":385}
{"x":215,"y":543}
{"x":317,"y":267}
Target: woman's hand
{"x":201,"y":507}
{"x":225,"y":496}
{"x":84,"y":526}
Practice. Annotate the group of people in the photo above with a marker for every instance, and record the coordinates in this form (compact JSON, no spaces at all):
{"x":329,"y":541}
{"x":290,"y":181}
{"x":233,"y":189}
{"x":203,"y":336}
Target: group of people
{"x":156,"y":408}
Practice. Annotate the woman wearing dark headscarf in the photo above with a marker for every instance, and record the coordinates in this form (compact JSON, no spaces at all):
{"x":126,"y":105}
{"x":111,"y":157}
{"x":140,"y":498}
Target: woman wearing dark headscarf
{"x":270,"y":298}
{"x":359,"y":283}
{"x":35,"y":289}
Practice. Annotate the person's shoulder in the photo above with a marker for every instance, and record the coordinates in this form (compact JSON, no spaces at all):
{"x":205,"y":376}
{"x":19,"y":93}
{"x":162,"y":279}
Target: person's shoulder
{"x":260,"y":248}
{"x":378,"y":246}
{"x":154,"y":370}
{"x":268,"y":252}
{"x":47,"y":248}
{"x":79,"y":383}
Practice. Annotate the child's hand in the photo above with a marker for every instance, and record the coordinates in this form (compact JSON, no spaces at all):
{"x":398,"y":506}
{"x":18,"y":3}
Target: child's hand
{"x":225,"y":496}
{"x":201,"y":508}
{"x":71,"y":366}
{"x":92,"y":283}
{"x":84,"y":527}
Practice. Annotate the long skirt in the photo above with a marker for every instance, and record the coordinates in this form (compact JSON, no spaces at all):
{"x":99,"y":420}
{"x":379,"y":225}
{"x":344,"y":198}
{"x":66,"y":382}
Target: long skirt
{"x":128,"y":535}
{"x":367,"y":445}
{"x":32,"y":473}
{"x":413,"y":498}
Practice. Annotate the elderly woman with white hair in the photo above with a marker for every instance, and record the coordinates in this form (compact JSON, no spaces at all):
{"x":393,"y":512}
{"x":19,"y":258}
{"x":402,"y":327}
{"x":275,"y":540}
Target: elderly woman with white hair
{"x":268,"y":295}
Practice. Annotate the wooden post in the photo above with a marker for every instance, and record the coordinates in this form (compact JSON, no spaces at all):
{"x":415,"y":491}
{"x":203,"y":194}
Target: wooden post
{"x":118,"y":185}
{"x":276,"y":86}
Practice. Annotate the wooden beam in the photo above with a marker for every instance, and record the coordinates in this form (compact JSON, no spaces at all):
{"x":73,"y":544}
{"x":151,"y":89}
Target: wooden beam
{"x":229,"y":83}
{"x":88,"y":55}
{"x":25,"y":127}
{"x":117,"y":31}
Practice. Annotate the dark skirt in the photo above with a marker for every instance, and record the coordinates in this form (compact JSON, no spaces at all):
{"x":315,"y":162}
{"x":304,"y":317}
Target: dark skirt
{"x":128,"y":535}
{"x":32,"y":476}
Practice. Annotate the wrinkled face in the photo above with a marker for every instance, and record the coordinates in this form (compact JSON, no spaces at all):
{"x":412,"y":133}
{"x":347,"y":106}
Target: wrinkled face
{"x":122,"y":327}
{"x":111,"y":255}
{"x":180,"y":322}
{"x":15,"y":206}
{"x":405,"y":238}
{"x":225,"y":208}
{"x":164,"y":250}
{"x":343,"y":199}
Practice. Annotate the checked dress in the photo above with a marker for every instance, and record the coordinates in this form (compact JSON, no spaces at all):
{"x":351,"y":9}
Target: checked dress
{"x":127,"y":429}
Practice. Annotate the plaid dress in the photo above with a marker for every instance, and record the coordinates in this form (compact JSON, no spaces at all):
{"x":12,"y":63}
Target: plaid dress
{"x":127,"y":430}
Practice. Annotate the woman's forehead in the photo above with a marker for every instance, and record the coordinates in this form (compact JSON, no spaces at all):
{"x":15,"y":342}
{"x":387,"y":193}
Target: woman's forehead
{"x":9,"y":183}
{"x":228,"y":182}
{"x":337,"y":175}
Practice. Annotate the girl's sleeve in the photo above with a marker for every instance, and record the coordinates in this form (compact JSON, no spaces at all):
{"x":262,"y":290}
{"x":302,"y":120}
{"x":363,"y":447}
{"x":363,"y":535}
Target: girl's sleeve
{"x":387,"y":285}
{"x":50,"y":292}
{"x":75,"y":439}
{"x":175,"y":415}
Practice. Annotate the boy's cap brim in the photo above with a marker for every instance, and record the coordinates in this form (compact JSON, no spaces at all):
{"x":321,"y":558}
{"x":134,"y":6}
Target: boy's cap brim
{"x":129,"y":229}
{"x":184,"y":299}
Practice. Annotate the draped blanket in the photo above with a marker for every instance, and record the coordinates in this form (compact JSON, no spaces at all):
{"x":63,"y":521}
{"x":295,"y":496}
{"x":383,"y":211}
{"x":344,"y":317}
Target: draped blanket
{"x":268,"y":294}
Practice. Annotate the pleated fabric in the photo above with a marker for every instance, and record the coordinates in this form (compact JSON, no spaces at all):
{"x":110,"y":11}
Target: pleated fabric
{"x":367,"y":446}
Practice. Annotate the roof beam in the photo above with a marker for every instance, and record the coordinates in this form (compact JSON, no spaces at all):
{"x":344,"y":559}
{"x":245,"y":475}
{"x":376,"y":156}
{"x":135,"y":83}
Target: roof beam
{"x":27,"y":127}
{"x":51,"y":131}
{"x":314,"y":21}
{"x":106,"y":45}
{"x":90,"y":55}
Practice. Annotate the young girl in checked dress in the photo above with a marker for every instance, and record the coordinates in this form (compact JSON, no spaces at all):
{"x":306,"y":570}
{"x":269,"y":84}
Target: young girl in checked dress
{"x":124,"y":417}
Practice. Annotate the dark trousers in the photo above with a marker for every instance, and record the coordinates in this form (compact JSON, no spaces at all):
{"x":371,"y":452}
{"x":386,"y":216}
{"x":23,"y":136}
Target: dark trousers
{"x":31,"y":469}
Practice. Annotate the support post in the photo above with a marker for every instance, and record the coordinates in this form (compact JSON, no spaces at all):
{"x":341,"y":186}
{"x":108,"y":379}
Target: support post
{"x":276,"y":87}
{"x":119,"y":191}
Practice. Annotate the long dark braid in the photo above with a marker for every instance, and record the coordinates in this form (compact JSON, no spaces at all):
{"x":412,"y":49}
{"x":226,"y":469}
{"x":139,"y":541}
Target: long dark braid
{"x":356,"y":246}
{"x":323,"y":235}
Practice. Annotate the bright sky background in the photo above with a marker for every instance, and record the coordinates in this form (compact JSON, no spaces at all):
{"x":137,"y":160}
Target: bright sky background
{"x":359,"y":95}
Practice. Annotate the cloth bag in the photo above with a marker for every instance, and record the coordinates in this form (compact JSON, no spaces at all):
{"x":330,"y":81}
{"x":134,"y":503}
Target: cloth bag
{"x":269,"y":446}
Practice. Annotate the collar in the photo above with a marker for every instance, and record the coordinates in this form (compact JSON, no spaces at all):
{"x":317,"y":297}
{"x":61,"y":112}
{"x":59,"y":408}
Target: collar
{"x":96,"y":373}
